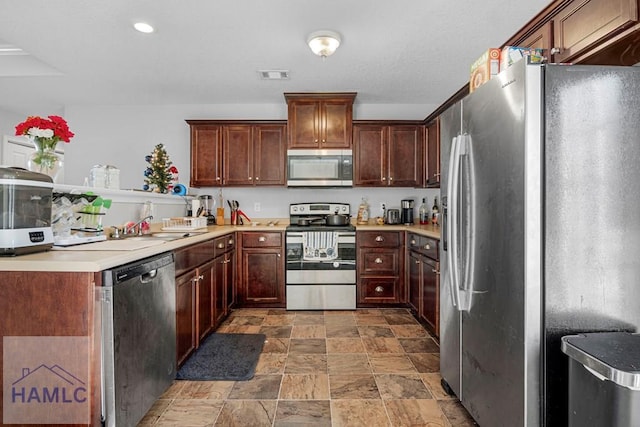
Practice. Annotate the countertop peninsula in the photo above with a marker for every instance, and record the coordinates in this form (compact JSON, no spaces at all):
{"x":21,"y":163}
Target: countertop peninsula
{"x":80,"y":259}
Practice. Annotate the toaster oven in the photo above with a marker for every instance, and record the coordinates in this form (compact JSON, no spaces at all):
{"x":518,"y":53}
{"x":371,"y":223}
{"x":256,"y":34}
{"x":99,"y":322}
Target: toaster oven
{"x":25,"y":203}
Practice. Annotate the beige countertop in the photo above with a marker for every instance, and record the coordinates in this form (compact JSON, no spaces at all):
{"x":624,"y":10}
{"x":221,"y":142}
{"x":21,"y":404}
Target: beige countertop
{"x":95,"y":261}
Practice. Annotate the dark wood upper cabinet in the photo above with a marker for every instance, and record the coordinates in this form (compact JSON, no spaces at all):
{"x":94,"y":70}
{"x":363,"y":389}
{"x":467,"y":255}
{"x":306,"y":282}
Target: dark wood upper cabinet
{"x":320,"y":121}
{"x":542,"y":38}
{"x":238,"y":153}
{"x":388,"y":155}
{"x":581,"y":24}
{"x":254,"y":155}
{"x":432,"y":163}
{"x":206,"y":152}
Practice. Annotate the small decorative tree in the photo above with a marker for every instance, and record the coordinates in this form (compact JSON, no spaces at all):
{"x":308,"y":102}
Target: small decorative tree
{"x":158,"y":175}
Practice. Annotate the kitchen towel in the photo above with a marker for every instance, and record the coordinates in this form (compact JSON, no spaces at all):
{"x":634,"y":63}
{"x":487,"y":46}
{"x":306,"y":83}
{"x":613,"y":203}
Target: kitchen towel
{"x":224,"y":357}
{"x":320,"y":245}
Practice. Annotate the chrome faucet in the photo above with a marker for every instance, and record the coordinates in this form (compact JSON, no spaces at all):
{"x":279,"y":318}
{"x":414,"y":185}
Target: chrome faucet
{"x":127,"y":230}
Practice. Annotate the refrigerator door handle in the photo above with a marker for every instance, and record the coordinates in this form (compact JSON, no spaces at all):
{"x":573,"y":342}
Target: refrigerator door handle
{"x":452,"y":222}
{"x":466,"y":218}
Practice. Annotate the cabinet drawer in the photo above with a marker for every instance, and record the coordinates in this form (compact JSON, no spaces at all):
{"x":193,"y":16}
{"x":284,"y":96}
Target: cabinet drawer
{"x":193,"y":256}
{"x":224,"y":243}
{"x":380,"y":262}
{"x":379,"y":290}
{"x":256,"y":239}
{"x":379,"y":239}
{"x":424,"y":245}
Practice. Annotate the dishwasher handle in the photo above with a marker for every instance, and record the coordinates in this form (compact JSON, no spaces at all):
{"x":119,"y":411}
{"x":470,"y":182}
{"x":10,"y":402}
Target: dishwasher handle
{"x":147,"y":277}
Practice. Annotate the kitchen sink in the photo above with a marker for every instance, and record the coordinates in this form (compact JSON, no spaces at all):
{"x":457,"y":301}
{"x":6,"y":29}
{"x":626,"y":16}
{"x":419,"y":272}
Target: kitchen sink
{"x":163,"y":235}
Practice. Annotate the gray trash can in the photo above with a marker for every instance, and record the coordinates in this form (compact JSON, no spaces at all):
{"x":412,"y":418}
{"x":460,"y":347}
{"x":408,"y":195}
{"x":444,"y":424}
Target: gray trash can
{"x":604,"y":379}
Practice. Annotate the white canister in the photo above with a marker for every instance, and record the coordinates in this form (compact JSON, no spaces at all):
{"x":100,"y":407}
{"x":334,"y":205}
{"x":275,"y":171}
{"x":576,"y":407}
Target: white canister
{"x":112,"y":177}
{"x":97,"y":176}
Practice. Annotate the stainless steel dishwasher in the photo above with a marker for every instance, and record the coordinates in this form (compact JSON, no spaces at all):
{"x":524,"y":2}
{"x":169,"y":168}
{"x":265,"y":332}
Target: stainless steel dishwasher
{"x":138,"y":337}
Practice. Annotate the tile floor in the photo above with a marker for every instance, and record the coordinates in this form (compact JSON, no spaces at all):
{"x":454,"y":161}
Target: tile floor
{"x":334,"y":368}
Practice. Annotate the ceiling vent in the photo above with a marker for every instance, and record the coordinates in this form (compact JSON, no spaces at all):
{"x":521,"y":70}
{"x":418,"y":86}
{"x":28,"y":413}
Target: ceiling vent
{"x":274,"y":74}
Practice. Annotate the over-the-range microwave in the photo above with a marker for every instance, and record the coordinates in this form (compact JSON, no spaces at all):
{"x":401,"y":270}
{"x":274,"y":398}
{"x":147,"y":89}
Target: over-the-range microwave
{"x":319,"y":168}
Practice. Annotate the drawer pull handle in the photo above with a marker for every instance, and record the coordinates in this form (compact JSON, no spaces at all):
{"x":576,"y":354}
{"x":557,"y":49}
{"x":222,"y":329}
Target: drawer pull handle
{"x":220,"y":245}
{"x":262,"y":239}
{"x":427,"y":246}
{"x":435,"y":271}
{"x":413,"y":242}
{"x":200,"y":277}
{"x":555,"y":50}
{"x":230,"y":242}
{"x":379,"y":239}
{"x":417,"y":262}
{"x":379,"y":289}
{"x":378,"y":261}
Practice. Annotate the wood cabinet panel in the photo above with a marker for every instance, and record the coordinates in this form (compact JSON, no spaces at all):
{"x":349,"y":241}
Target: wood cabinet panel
{"x":262,"y":276}
{"x":432,"y":163}
{"x":185,"y":316}
{"x":206,"y":152}
{"x":380,"y":263}
{"x":582,"y":23}
{"x":405,"y":156}
{"x":192,"y":256}
{"x":320,"y":121}
{"x":369,"y":155}
{"x":237,"y":144}
{"x":260,"y":239}
{"x":205,"y":301}
{"x":430,"y":311}
{"x":388,"y":155}
{"x":414,"y":288}
{"x":269,"y":154}
{"x":238,"y":153}
{"x":424,"y":279}
{"x":542,"y":38}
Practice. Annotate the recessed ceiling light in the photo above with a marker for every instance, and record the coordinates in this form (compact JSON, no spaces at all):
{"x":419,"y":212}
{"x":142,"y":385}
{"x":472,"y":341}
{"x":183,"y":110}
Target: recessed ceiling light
{"x":143,"y":27}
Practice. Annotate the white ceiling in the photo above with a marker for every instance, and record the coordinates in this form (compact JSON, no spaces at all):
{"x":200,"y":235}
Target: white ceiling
{"x":86,"y":52}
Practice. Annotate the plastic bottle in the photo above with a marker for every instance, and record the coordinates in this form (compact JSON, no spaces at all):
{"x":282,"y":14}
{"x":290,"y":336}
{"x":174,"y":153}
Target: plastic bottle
{"x":363,"y":212}
{"x":424,"y":212}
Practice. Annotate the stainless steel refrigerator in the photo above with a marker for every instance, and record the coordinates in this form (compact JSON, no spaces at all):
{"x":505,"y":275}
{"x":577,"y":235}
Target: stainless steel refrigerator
{"x":541,"y":233}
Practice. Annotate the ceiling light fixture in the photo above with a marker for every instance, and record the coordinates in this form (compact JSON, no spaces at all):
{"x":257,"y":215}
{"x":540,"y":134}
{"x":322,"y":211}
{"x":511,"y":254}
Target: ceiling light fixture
{"x":143,"y":27}
{"x":324,"y":42}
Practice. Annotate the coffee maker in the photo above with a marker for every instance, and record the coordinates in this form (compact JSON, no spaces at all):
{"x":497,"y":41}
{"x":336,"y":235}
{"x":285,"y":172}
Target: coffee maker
{"x":406,"y":211}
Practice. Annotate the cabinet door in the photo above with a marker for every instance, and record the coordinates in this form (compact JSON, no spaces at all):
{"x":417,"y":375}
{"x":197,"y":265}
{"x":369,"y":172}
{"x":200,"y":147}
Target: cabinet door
{"x":431,"y":294}
{"x":262,"y":276}
{"x":336,"y":118}
{"x":370,"y":160}
{"x":415,"y":282}
{"x":238,"y":155}
{"x":205,"y":300}
{"x":433,"y":154}
{"x":206,"y":152}
{"x":582,"y":23}
{"x":185,"y":316}
{"x":304,"y":124}
{"x":230,"y":280}
{"x":269,"y":153}
{"x":405,"y":156}
{"x":219,"y":300}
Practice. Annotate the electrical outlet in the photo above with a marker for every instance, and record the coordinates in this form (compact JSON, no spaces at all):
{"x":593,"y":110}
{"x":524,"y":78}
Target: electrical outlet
{"x":256,"y":207}
{"x":382,"y":206}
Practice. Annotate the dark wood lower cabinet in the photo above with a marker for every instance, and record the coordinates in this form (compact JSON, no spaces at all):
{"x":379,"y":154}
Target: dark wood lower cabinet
{"x":380,"y":266}
{"x":205,"y":272}
{"x":185,"y":316}
{"x":261,"y":281}
{"x":424,"y":280}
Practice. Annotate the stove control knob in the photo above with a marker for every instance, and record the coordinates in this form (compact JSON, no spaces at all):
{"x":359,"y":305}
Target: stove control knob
{"x":301,"y":208}
{"x":295,"y":209}
{"x":336,"y":264}
{"x":344,"y":208}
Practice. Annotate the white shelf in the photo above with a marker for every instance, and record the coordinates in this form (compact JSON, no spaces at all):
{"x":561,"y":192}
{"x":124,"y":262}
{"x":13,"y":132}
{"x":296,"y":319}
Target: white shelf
{"x":125,"y":196}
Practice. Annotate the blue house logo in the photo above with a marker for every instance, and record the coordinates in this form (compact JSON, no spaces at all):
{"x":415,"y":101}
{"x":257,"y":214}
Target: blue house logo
{"x":48,"y":385}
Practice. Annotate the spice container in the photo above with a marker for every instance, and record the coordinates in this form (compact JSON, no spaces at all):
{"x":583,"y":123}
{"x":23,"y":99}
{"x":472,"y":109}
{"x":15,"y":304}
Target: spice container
{"x":363,"y":212}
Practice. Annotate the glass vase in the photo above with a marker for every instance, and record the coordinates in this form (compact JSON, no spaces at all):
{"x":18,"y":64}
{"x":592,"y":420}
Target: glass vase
{"x":45,"y":160}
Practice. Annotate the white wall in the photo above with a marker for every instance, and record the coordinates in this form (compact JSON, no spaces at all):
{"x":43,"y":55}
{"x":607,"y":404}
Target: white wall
{"x":123,"y":135}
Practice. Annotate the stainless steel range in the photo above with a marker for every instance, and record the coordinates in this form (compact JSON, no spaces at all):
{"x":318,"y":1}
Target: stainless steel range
{"x":321,"y":258}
